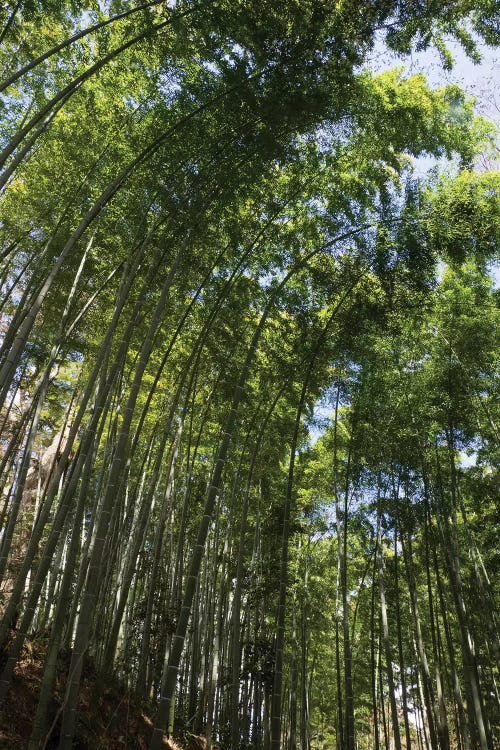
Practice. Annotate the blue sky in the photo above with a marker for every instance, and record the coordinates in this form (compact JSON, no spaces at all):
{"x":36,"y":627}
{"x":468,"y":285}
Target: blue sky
{"x":481,"y":80}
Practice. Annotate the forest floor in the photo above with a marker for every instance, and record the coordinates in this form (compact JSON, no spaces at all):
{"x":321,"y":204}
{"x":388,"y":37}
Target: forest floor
{"x":113,"y":722}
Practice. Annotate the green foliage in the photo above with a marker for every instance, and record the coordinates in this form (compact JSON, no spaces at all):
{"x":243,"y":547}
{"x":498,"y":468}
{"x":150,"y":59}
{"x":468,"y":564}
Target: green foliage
{"x":209,"y":223}
{"x":465,"y":216}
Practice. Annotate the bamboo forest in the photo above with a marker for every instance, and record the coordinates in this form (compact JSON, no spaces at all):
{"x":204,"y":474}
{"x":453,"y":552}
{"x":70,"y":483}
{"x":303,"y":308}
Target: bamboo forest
{"x":249,"y":346}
